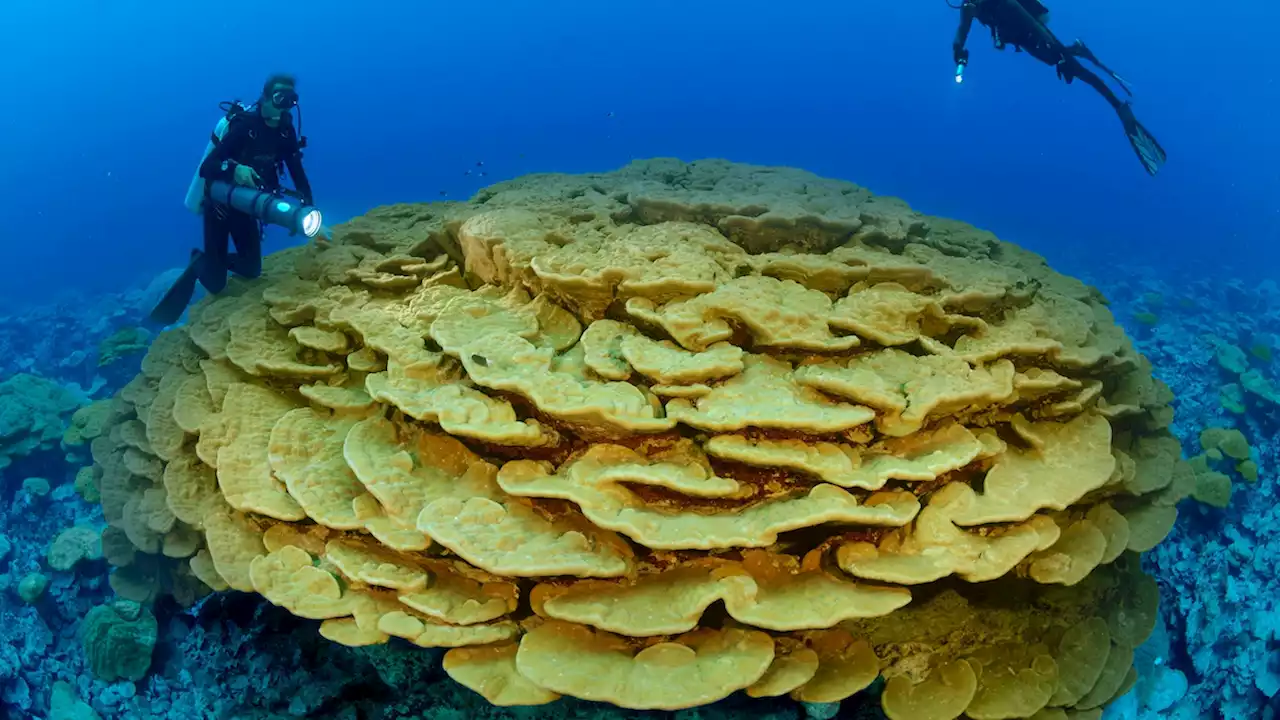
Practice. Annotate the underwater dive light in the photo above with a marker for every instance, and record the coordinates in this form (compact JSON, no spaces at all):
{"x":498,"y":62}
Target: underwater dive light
{"x":959,"y":73}
{"x":273,"y":208}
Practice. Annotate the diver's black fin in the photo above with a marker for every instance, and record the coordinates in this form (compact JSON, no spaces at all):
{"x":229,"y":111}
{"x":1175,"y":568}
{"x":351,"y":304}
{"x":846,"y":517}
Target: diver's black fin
{"x":175,"y":301}
{"x":1123,"y":83}
{"x":1144,"y":143}
{"x":1079,"y":49}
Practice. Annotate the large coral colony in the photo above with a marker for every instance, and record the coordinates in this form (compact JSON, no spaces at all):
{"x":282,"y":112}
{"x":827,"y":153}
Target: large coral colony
{"x":657,"y":436}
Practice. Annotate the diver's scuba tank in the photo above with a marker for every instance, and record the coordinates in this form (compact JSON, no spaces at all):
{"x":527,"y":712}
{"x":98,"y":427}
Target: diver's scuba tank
{"x":195,"y":191}
{"x":272,"y":208}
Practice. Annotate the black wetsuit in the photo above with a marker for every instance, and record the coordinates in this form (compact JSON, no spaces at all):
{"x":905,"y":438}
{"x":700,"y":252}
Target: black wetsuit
{"x":248,"y":140}
{"x":1022,"y":24}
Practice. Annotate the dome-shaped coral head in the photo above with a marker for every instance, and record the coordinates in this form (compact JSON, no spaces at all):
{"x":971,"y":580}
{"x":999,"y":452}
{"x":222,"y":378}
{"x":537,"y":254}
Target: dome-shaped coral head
{"x":549,"y":428}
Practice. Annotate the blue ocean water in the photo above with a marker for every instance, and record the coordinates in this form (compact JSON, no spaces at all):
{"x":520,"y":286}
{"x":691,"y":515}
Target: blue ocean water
{"x":108,"y":106}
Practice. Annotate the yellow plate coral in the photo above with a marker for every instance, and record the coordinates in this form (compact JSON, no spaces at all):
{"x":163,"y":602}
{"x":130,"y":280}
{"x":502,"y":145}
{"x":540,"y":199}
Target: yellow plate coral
{"x":657,"y":436}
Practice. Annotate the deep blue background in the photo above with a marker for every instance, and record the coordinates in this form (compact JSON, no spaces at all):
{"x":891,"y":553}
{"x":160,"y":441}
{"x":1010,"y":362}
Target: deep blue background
{"x":107,"y":106}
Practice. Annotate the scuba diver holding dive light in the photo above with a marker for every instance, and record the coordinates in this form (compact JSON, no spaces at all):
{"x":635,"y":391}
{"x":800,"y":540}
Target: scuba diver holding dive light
{"x":238,"y":188}
{"x":1024,"y":24}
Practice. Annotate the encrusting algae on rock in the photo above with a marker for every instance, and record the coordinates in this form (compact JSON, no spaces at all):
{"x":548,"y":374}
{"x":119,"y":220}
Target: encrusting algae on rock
{"x":551,"y":427}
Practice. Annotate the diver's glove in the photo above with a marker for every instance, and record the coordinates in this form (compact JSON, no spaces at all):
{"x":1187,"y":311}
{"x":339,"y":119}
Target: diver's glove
{"x":247,"y":176}
{"x":960,"y":55}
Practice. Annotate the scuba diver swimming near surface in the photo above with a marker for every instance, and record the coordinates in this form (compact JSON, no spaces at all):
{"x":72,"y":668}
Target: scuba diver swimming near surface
{"x":238,"y":187}
{"x":1024,"y":24}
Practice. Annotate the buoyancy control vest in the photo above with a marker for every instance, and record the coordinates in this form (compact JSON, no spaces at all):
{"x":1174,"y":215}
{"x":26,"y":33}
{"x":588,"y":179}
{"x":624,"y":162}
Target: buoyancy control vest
{"x":232,"y":111}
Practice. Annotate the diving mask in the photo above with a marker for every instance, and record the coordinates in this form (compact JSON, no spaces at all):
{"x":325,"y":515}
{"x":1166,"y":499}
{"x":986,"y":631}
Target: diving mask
{"x":284,"y":99}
